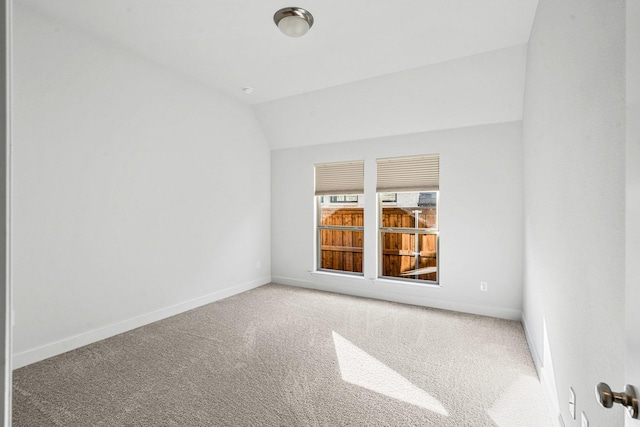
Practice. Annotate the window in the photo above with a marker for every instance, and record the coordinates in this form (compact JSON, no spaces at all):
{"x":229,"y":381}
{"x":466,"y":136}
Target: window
{"x":409,"y":236}
{"x":340,"y":222}
{"x":388,"y":197}
{"x":344,"y":198}
{"x":409,"y":239}
{"x":341,"y":236}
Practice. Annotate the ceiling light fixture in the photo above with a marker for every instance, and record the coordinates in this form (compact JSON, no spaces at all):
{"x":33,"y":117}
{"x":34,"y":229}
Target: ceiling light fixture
{"x":293,"y":21}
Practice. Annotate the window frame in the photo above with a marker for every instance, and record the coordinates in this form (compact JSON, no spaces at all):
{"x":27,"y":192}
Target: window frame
{"x":320,"y":227}
{"x":404,"y":230}
{"x":335,"y":180}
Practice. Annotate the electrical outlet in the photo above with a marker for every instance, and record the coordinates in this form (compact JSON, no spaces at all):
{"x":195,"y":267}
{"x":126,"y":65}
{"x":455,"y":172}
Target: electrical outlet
{"x":258,"y":265}
{"x":572,"y":403}
{"x":484,"y":286}
{"x":585,"y":421}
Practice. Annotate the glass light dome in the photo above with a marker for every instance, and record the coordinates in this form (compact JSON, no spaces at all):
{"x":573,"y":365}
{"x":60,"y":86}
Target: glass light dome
{"x":293,"y":21}
{"x":293,"y":26}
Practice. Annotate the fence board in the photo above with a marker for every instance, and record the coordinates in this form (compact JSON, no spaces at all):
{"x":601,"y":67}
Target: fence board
{"x":342,"y":249}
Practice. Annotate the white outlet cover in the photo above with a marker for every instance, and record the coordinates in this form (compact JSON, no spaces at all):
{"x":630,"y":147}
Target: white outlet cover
{"x":484,"y":286}
{"x":585,"y":421}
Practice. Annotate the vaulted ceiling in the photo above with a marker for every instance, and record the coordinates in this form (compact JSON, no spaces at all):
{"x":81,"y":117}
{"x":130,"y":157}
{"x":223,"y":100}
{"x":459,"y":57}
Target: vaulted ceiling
{"x":230,"y":44}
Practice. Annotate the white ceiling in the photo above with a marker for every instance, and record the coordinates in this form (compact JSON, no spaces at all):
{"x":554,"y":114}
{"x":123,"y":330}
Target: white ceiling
{"x":475,"y":90}
{"x":230,"y":44}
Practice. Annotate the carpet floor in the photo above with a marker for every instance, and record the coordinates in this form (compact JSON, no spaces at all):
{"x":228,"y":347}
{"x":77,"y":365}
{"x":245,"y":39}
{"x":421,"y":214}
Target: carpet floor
{"x":286,"y":356}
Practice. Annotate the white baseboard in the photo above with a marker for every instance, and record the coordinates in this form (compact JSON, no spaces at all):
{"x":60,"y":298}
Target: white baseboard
{"x":544,"y":381}
{"x":396,"y":292}
{"x":535,"y":355}
{"x":53,"y":349}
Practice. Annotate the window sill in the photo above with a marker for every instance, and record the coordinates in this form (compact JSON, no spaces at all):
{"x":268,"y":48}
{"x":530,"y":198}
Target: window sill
{"x":385,"y":281}
{"x":321,"y":273}
{"x":376,"y":281}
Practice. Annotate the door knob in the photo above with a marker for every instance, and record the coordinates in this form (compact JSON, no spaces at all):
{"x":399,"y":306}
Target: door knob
{"x":627,"y":398}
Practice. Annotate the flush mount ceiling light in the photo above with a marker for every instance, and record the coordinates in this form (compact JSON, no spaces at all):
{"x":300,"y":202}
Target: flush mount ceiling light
{"x":293,"y":21}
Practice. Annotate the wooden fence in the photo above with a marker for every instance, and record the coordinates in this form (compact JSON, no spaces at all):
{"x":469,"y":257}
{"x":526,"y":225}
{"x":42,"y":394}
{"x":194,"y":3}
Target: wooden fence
{"x":342,"y":250}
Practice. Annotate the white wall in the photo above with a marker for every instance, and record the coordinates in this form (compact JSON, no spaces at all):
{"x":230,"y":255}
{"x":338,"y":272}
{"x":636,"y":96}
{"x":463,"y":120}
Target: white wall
{"x":136,"y":193}
{"x":573,"y":136}
{"x":5,"y":287}
{"x":632,"y":196}
{"x":480,"y":217}
{"x":479,"y":89}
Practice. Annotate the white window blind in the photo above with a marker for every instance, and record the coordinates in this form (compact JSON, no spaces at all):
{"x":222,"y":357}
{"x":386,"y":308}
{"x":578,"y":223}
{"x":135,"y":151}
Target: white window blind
{"x":414,"y":173}
{"x":340,"y":178}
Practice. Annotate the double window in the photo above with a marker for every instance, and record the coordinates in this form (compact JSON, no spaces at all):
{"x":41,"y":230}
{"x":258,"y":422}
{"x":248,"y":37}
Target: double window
{"x":408,"y":236}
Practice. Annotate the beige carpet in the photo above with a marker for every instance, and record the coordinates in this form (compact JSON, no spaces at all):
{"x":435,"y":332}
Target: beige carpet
{"x":284,"y":356}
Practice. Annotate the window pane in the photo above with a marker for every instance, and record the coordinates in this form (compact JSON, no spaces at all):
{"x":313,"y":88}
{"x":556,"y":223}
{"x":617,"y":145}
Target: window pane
{"x":341,"y":250}
{"x":345,"y":209}
{"x":350,"y":198}
{"x":410,"y":255}
{"x":409,"y":206}
{"x":342,"y":216}
{"x":389,"y":197}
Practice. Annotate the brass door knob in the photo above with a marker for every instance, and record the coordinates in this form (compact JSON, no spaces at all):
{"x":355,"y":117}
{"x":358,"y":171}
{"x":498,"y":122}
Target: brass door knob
{"x":628,"y":398}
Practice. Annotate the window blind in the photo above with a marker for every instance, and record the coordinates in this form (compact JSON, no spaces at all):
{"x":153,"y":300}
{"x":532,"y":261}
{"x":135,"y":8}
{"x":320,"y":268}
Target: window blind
{"x":414,"y":173}
{"x":340,"y":178}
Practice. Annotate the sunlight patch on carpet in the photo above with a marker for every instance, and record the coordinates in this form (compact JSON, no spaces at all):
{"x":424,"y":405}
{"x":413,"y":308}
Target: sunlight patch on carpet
{"x":360,"y":368}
